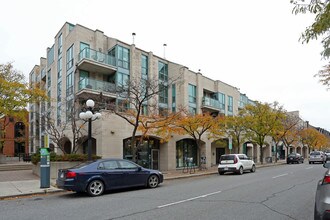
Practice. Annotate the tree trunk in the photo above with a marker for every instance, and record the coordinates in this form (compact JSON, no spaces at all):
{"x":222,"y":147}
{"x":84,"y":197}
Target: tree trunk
{"x":261,"y":155}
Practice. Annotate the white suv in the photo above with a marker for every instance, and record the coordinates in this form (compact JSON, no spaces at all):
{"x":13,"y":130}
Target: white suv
{"x":237,"y":163}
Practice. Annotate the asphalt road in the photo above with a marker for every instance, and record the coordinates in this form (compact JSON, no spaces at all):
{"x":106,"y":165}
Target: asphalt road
{"x":279,"y":192}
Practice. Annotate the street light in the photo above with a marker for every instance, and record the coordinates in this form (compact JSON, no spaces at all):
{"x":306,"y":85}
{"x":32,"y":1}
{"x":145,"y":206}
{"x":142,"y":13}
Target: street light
{"x":89,"y":116}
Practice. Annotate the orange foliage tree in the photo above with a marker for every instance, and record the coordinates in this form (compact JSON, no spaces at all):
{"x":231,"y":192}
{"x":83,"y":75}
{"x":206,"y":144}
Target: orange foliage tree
{"x":197,"y":126}
{"x":15,"y":94}
{"x":313,"y":139}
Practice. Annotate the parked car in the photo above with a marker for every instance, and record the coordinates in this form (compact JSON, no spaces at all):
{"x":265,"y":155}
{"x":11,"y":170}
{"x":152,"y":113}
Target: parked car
{"x":294,"y":158}
{"x":322,"y":196}
{"x":316,"y":156}
{"x":237,"y":163}
{"x":105,"y":174}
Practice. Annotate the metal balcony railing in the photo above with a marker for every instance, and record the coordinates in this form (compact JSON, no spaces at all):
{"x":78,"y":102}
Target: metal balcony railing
{"x":97,"y":56}
{"x":88,"y":83}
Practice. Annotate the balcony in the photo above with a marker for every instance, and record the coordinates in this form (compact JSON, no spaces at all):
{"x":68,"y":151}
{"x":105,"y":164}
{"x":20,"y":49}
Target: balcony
{"x":89,"y":86}
{"x":212,"y":105}
{"x":97,"y":62}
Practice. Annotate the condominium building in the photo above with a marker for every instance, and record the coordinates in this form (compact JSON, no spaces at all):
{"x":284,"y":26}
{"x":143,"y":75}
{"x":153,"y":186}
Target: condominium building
{"x":86,"y":64}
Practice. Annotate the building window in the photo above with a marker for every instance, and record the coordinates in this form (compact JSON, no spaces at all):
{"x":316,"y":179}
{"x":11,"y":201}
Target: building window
{"x":122,"y":80}
{"x":163,"y":94}
{"x":50,"y":56}
{"x":222,"y":100}
{"x":69,"y":107}
{"x":60,"y":44}
{"x":59,"y":115}
{"x":49,"y":79}
{"x":69,"y":58}
{"x":19,"y":129}
{"x":192,"y":110}
{"x":83,"y":79}
{"x":144,"y":66}
{"x":192,"y":93}
{"x":69,"y":84}
{"x":49,"y":95}
{"x":162,"y":72}
{"x":185,"y":149}
{"x":59,"y":68}
{"x":59,"y":91}
{"x":173,"y":97}
{"x":230,"y":104}
{"x":144,"y":109}
{"x":123,"y":57}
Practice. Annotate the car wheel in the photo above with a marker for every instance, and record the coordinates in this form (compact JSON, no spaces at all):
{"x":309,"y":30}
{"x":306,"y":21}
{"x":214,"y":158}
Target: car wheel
{"x":310,"y":162}
{"x":153,"y":181}
{"x":240,"y":171}
{"x":95,"y":188}
{"x":253,"y":169}
{"x":221,"y":173}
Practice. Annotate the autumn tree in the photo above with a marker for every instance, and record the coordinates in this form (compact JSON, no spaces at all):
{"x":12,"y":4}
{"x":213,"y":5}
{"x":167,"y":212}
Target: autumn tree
{"x":139,"y":98}
{"x":286,"y":131}
{"x":318,"y":29}
{"x":196,"y":126}
{"x":232,"y":126}
{"x":311,"y":138}
{"x":262,"y":120}
{"x":15,"y":94}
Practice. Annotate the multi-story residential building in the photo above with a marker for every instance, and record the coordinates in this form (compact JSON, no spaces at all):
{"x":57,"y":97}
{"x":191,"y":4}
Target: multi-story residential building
{"x":86,"y":64}
{"x":14,"y":135}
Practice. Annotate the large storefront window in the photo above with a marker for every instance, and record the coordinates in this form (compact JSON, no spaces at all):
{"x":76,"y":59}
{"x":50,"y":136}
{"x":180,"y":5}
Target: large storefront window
{"x":147,"y":153}
{"x":185,"y":148}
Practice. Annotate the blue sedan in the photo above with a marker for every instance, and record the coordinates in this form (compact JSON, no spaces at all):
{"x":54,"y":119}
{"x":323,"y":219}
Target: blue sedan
{"x":107,"y":174}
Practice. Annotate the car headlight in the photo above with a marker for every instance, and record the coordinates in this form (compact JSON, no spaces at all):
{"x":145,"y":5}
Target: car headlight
{"x":160,"y":173}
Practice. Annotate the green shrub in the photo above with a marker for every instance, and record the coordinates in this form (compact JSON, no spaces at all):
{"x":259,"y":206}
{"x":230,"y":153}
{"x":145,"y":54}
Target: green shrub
{"x":35,"y":158}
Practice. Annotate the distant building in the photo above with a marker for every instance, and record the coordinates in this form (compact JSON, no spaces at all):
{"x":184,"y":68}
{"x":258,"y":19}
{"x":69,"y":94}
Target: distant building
{"x":15,"y":136}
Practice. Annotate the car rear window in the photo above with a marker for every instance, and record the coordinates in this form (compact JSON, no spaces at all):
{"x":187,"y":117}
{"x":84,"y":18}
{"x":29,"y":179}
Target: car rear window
{"x":227,"y":157}
{"x":292,"y":155}
{"x":315,"y":153}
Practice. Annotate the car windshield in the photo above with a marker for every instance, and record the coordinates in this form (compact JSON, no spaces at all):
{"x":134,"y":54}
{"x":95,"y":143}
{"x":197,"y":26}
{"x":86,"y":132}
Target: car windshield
{"x":315,"y":153}
{"x":227,"y":157}
{"x":292,"y":155}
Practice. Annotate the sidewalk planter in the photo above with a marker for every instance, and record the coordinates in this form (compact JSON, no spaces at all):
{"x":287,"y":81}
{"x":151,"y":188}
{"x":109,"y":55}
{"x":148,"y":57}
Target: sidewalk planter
{"x":54,"y":167}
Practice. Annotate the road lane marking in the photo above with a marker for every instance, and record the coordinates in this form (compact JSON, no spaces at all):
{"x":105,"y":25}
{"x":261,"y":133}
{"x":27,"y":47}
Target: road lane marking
{"x":309,"y":168}
{"x":187,"y":200}
{"x":280,"y":175}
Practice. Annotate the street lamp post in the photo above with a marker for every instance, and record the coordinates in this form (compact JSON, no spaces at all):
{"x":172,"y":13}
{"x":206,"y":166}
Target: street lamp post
{"x":89,"y":116}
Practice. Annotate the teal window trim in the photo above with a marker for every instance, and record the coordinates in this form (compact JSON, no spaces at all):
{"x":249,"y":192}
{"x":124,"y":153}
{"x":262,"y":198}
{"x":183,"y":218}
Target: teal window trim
{"x":144,"y":66}
{"x":230,"y":104}
{"x":162,"y":71}
{"x":69,"y":58}
{"x":60,"y":42}
{"x":192,"y":92}
{"x":123,"y":57}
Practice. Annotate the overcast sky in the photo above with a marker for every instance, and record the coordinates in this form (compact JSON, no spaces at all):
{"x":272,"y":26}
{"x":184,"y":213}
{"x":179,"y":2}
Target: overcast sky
{"x":252,"y":45}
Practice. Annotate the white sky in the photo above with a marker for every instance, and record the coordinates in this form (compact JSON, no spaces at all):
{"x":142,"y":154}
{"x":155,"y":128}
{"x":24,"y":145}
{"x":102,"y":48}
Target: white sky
{"x":252,"y":45}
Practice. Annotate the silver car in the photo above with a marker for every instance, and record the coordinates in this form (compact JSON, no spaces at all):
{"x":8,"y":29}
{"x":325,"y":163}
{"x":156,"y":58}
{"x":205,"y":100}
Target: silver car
{"x":322,"y":197}
{"x":316,"y":157}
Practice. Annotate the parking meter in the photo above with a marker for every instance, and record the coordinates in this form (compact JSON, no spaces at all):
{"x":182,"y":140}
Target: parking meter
{"x":44,"y":168}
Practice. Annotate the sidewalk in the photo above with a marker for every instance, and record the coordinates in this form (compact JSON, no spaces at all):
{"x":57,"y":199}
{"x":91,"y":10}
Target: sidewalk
{"x":24,"y":183}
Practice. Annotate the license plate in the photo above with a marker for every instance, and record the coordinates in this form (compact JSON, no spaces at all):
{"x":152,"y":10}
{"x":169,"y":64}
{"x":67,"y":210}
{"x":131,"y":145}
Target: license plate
{"x":226,"y":168}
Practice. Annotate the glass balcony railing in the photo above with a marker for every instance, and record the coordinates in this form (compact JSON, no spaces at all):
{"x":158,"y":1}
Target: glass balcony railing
{"x":207,"y":101}
{"x":97,"y":56}
{"x":88,"y":83}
